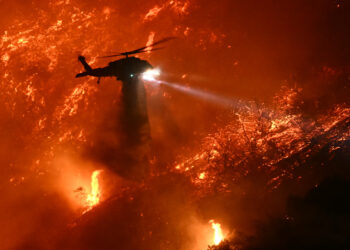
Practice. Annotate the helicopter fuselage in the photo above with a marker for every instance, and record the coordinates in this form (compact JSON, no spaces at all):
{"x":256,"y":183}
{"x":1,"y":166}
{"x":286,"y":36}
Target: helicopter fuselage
{"x":124,"y":69}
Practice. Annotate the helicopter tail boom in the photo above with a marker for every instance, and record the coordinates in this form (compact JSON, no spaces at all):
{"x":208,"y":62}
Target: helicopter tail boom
{"x":84,"y":63}
{"x":82,"y":74}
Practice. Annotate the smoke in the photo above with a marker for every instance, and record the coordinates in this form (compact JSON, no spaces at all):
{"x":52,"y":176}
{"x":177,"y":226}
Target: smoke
{"x":56,"y":130}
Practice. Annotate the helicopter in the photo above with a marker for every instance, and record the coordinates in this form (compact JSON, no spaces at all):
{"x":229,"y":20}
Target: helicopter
{"x":125,"y":69}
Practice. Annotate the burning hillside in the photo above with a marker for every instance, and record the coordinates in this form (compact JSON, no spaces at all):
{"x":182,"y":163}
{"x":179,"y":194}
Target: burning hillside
{"x":242,"y":123}
{"x":220,"y":180}
{"x":274,"y":143}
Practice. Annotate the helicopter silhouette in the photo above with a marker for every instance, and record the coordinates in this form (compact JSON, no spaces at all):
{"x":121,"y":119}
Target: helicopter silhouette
{"x":129,"y":146}
{"x":125,"y":69}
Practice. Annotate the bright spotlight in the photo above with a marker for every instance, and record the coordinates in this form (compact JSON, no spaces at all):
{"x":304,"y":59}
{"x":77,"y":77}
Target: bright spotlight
{"x":150,"y":75}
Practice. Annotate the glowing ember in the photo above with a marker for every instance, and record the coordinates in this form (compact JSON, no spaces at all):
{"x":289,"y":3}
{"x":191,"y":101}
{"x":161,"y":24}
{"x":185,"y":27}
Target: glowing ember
{"x":152,"y":13}
{"x":94,"y":197}
{"x":218,"y":236}
{"x":150,"y":40}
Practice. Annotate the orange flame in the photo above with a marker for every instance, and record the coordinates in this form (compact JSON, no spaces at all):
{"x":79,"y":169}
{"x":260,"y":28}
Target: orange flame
{"x":218,"y":235}
{"x":94,"y":197}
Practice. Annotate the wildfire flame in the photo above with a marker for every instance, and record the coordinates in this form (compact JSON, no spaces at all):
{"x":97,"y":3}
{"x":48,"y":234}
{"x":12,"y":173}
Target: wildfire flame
{"x":93,"y":198}
{"x":48,"y":120}
{"x":218,"y":235}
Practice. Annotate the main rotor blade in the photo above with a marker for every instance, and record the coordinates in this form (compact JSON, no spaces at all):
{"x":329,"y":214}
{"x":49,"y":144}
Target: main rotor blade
{"x":110,"y":56}
{"x":145,"y":50}
{"x":151,"y":45}
{"x":131,"y":53}
{"x":166,"y":39}
{"x":142,"y":49}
